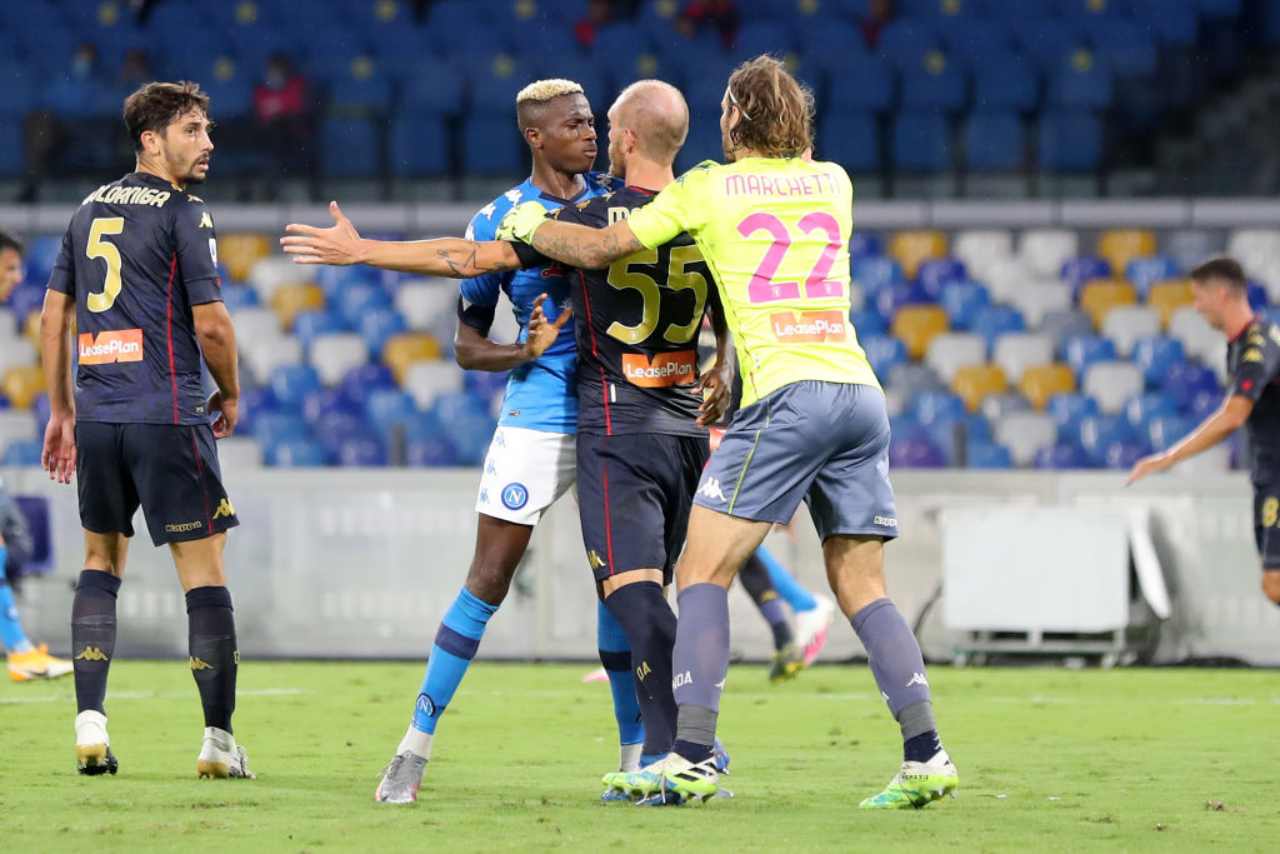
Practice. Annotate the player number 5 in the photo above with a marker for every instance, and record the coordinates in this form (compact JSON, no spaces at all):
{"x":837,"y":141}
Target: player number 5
{"x":107,"y":251}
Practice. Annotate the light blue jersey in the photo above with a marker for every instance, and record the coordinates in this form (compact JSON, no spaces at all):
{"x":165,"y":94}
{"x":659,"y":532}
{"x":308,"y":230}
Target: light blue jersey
{"x":542,"y":394}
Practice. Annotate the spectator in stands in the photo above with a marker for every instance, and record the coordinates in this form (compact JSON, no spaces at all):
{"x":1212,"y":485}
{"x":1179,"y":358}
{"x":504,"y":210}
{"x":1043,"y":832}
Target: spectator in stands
{"x":722,"y":15}
{"x":879,"y":13}
{"x":10,"y":264}
{"x":135,"y":70}
{"x":599,"y":14}
{"x":282,"y":106}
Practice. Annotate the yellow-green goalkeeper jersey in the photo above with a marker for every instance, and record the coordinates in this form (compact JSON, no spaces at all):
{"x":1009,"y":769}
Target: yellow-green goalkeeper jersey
{"x":775,"y":234}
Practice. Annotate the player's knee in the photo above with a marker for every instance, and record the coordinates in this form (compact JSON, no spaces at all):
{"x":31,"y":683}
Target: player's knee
{"x":1271,"y":584}
{"x":489,"y":581}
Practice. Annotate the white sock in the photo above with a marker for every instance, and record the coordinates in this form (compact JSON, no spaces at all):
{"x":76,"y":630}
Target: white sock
{"x":629,"y":757}
{"x":416,"y":742}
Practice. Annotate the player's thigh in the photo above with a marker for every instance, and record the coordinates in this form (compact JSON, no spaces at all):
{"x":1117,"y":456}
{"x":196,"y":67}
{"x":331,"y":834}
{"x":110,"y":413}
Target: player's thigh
{"x":716,"y":547}
{"x":179,"y":481}
{"x":524,"y":472}
{"x":851,"y":493}
{"x":199,"y":562}
{"x":623,"y":502}
{"x":104,"y":484}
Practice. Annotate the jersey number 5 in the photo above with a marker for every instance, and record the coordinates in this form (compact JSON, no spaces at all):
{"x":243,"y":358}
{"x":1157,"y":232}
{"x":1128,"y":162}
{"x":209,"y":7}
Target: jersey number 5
{"x":682,"y":274}
{"x":763,"y":288}
{"x":107,"y":251}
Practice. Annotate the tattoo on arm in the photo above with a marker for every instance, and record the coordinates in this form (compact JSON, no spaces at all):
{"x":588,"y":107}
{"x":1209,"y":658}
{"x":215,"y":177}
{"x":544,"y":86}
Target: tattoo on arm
{"x":580,"y":246}
{"x":465,"y":265}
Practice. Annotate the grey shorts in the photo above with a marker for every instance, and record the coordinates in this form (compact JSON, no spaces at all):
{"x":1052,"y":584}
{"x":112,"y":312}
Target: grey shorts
{"x":826,"y":444}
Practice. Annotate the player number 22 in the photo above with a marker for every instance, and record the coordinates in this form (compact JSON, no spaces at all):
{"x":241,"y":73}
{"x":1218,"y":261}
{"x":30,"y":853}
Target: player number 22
{"x":763,"y":288}
{"x":107,"y":251}
{"x":682,"y":274}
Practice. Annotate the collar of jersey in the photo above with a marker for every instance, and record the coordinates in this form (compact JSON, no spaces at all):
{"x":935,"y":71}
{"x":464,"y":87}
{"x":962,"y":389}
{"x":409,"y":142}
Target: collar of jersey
{"x":1243,"y":329}
{"x":542,"y":194}
{"x":148,"y":178}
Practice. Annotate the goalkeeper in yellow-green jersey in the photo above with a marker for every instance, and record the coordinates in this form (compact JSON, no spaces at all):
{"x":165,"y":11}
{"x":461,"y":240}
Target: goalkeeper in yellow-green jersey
{"x":774,"y":228}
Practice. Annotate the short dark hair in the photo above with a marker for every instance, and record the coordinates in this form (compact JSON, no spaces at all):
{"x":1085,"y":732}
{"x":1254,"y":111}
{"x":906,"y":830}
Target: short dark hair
{"x":1224,"y":268}
{"x":156,"y":105}
{"x":8,"y":241}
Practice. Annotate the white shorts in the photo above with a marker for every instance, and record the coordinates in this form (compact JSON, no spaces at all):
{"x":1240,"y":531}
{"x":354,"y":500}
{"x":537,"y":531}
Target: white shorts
{"x":525,"y":471}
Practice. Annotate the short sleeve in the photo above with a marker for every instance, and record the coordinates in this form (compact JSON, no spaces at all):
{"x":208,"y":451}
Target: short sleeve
{"x":1259,"y":362}
{"x":197,"y":249}
{"x":63,"y":277}
{"x":679,"y":208}
{"x":482,"y":290}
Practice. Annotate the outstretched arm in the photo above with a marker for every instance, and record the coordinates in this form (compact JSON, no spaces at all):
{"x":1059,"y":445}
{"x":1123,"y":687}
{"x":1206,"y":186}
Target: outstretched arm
{"x":1218,"y":426}
{"x":451,"y":257}
{"x":576,"y":245}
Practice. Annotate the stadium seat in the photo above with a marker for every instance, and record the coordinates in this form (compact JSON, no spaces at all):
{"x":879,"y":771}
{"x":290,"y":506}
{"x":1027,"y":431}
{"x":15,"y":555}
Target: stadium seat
{"x":981,"y":249}
{"x":1068,"y":410}
{"x":377,"y":326}
{"x":1126,"y":324}
{"x":962,"y":301}
{"x":1198,"y":338}
{"x":404,"y":349}
{"x":934,"y":84}
{"x":1005,"y":82}
{"x":911,"y":248}
{"x":1045,"y":40}
{"x":21,"y":385}
{"x":362,"y":451}
{"x":23,"y":452}
{"x":1122,"y":245}
{"x":917,"y":325}
{"x":333,"y":356}
{"x":1104,"y":435}
{"x":1168,"y":297}
{"x":1189,"y":246}
{"x":995,"y":320}
{"x":997,"y":406}
{"x":419,"y":145}
{"x":933,"y":406}
{"x":1112,"y":384}
{"x":864,"y":244}
{"x":310,"y":325}
{"x":1083,"y":351}
{"x":884,"y":351}
{"x":290,"y":300}
{"x":1064,"y":325}
{"x":905,"y":41}
{"x":934,"y":273}
{"x":1015,"y":352}
{"x":994,"y":142}
{"x":17,"y":351}
{"x":1146,"y":271}
{"x":350,"y":148}
{"x":1186,"y":380}
{"x":240,"y":251}
{"x":877,"y":272}
{"x":1024,"y":434}
{"x":491,"y":145}
{"x":265,"y":353}
{"x":1077,"y":271}
{"x":981,"y":454}
{"x":1155,"y":355}
{"x":423,"y":301}
{"x":850,"y":139}
{"x":1045,"y":250}
{"x":875,"y":89}
{"x":1037,"y":300}
{"x":427,"y":380}
{"x":297,"y":453}
{"x":910,"y":379}
{"x":1082,"y":81}
{"x":17,"y":426}
{"x":868,"y":321}
{"x":290,"y":384}
{"x":1253,"y":247}
{"x":1070,"y":142}
{"x":357,"y":300}
{"x":1142,"y":409}
{"x":1041,"y":383}
{"x":921,"y":143}
{"x":975,"y":383}
{"x":1100,"y":296}
{"x":1063,"y":455}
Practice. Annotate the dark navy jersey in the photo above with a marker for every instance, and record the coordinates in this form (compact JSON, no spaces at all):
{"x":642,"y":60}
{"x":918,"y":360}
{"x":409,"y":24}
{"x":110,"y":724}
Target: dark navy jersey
{"x":139,"y":253}
{"x":1253,"y":360}
{"x":637,"y":326}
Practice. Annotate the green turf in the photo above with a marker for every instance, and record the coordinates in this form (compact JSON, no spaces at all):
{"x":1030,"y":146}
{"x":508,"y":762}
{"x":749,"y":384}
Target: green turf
{"x":1049,"y":759}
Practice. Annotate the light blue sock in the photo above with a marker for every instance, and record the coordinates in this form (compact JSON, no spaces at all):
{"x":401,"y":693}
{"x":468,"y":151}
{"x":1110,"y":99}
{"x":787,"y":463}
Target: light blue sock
{"x":788,"y":588}
{"x":615,"y":655}
{"x":457,"y":640}
{"x":11,"y":633}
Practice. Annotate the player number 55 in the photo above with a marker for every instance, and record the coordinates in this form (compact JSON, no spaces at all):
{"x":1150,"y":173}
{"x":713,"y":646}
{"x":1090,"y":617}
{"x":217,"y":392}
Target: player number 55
{"x":107,"y":251}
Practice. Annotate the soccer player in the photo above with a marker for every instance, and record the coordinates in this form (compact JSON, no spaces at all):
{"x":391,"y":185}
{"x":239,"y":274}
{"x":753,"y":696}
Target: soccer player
{"x":774,"y":228}
{"x":531,"y":460}
{"x":138,"y":274}
{"x":10,"y":264}
{"x":1252,"y":401}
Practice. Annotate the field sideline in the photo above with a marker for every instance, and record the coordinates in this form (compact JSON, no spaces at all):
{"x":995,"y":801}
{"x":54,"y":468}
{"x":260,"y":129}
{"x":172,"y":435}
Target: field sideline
{"x":1050,"y":759}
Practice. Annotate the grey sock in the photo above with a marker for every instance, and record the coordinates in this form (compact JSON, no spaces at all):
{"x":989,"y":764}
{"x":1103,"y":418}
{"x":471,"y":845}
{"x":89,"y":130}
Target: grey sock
{"x":701,"y":657}
{"x":696,"y":725}
{"x":917,"y":719}
{"x":896,"y":661}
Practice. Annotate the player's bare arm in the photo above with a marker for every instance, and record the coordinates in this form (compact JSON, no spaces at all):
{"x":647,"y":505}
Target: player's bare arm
{"x":576,"y":245}
{"x":474,"y":351}
{"x":217,"y":337}
{"x":341,"y":244}
{"x":58,"y":457}
{"x":1229,"y":418}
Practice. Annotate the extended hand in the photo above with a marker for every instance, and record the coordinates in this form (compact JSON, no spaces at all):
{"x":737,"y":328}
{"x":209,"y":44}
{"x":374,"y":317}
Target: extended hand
{"x":1148,"y":465}
{"x":339,"y":244}
{"x":521,"y":222}
{"x":542,"y":332}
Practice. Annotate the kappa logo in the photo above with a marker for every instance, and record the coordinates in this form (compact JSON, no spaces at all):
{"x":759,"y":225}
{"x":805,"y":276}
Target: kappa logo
{"x":681,"y":679}
{"x":206,"y":221}
{"x":917,"y":679}
{"x":710,"y":488}
{"x":594,"y":560}
{"x":92,"y":653}
{"x":224,"y":509}
{"x":484,"y":495}
{"x":198,"y":664}
{"x":183,"y":527}
{"x":110,"y":347}
{"x":664,"y":370}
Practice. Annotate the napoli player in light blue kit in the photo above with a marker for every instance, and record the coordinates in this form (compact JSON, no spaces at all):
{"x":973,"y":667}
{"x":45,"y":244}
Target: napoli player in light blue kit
{"x":531,"y":461}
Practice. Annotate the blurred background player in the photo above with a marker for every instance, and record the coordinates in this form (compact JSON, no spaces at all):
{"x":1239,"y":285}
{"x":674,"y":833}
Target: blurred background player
{"x":26,"y":661}
{"x":1252,"y":401}
{"x":137,"y":273}
{"x":530,"y":462}
{"x":10,"y":264}
{"x":813,"y":425}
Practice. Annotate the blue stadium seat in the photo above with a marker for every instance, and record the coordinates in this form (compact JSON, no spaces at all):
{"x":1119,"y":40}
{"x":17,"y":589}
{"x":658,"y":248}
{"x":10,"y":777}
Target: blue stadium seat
{"x":491,"y":145}
{"x":297,"y":453}
{"x":1100,"y":433}
{"x":932,"y":406}
{"x":255,"y":401}
{"x":934,"y":84}
{"x":334,"y":280}
{"x":356,"y":300}
{"x":419,"y":145}
{"x":994,"y":142}
{"x":1083,"y":351}
{"x":825,"y":38}
{"x":230,"y":90}
{"x":18,"y":89}
{"x":309,"y":325}
{"x":874,"y":272}
{"x":950,"y":11}
{"x":864,"y":244}
{"x":1082,"y":81}
{"x":1145,"y":272}
{"x":431,"y":451}
{"x":377,"y":325}
{"x":884,"y":352}
{"x":1145,"y":408}
{"x":992,"y":321}
{"x":1094,"y":9}
{"x":1068,"y":410}
{"x":1063,"y":455}
{"x":905,"y":41}
{"x":362,"y":381}
{"x":1219,"y":9}
{"x":26,"y":298}
{"x":915,"y":453}
{"x":272,"y":427}
{"x":1174,"y":23}
{"x":1156,"y":355}
{"x":755,"y":38}
{"x":936,"y":273}
{"x":325,"y":402}
{"x":434,"y":88}
{"x":22,"y":452}
{"x":292,"y":383}
{"x":703,"y":143}
{"x":1185,"y":380}
{"x":363,"y":451}
{"x":1070,"y":142}
{"x":12,"y":158}
{"x":1162,"y":432}
{"x":1006,"y":82}
{"x":921,"y":143}
{"x":1204,"y":404}
{"x":1127,"y":47}
{"x":868,"y":322}
{"x":351,"y":148}
{"x":1045,"y":40}
{"x":859,"y":82}
{"x":495,"y":78}
{"x":236,"y":297}
{"x":973,"y":42}
{"x":850,"y":139}
{"x":387,"y":407}
{"x":982,"y":454}
{"x":333,"y":429}
{"x":1079,"y":270}
{"x":1123,"y":455}
{"x":888,"y":300}
{"x":360,"y":90}
{"x":1257,"y":295}
{"x":962,"y":302}
{"x":453,"y":27}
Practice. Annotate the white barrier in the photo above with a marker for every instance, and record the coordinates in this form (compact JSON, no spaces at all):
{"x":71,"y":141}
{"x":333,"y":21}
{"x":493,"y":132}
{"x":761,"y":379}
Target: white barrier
{"x":359,"y":563}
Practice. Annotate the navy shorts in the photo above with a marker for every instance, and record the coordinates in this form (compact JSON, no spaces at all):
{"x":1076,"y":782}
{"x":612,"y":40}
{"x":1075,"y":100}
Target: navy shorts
{"x":826,"y":444}
{"x":171,"y":470}
{"x":1266,"y":523}
{"x":634,"y":495}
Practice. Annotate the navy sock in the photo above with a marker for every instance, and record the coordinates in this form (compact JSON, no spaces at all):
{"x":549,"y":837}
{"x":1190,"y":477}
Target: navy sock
{"x":211,"y":638}
{"x":693,"y":751}
{"x":650,"y":625}
{"x":921,"y":748}
{"x":93,"y":636}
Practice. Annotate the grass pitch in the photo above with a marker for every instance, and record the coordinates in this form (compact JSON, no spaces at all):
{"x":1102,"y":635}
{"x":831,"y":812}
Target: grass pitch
{"x":1049,"y":759}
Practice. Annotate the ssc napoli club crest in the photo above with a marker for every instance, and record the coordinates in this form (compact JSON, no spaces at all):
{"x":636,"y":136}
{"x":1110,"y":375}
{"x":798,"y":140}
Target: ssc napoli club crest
{"x":426,"y":706}
{"x":514,"y":496}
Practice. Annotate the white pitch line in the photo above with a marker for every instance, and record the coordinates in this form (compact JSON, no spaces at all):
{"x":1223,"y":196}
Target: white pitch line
{"x":148,"y":695}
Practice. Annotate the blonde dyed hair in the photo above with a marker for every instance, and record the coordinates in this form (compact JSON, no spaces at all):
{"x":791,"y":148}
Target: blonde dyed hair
{"x":531,"y":99}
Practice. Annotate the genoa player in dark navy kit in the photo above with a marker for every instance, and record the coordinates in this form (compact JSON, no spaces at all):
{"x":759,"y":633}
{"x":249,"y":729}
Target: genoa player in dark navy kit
{"x":1253,"y":401}
{"x":138,"y":273}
